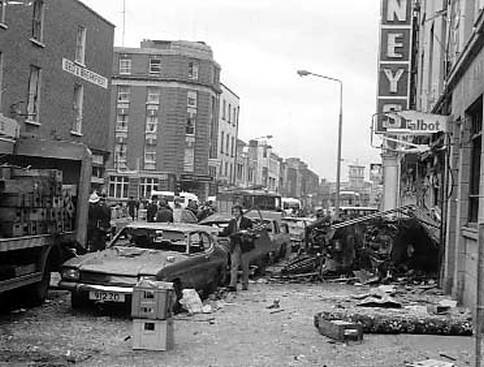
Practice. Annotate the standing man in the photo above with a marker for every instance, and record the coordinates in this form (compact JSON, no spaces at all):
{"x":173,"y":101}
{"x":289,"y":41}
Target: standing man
{"x":164,"y":213}
{"x":133,"y":207}
{"x":99,"y":223}
{"x":152,"y":209}
{"x":239,"y":251}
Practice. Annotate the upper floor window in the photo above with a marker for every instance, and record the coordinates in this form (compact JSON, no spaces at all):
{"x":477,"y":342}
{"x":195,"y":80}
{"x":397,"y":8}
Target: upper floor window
{"x":153,"y":96}
{"x":37,"y":20}
{"x":155,"y":66}
{"x":34,"y":94}
{"x":151,"y":124}
{"x":123,"y":93}
{"x":192,"y":99}
{"x":193,"y":70}
{"x":475,"y":116}
{"x":222,"y":142}
{"x":191,"y":120}
{"x":81,"y":45}
{"x":230,"y":113}
{"x":1,"y":78}
{"x":234,"y":116}
{"x":224,"y":108}
{"x":125,"y":66}
{"x":78,"y":102}
{"x":122,"y":120}
{"x":3,"y":6}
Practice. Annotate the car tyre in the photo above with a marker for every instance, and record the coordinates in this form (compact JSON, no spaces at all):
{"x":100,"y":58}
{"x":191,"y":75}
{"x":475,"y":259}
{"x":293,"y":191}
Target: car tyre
{"x":79,"y":300}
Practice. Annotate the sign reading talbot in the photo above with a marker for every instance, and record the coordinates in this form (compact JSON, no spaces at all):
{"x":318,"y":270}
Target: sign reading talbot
{"x":413,"y":122}
{"x":394,"y":61}
{"x":83,"y":73}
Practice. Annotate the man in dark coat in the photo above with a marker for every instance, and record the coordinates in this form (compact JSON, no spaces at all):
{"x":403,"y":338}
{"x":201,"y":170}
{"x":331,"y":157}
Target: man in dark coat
{"x":99,"y":223}
{"x":164,"y":213}
{"x":133,"y":206}
{"x":237,"y":256}
{"x":152,"y":209}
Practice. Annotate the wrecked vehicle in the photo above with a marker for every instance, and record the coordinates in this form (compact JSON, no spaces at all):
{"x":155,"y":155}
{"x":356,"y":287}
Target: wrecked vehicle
{"x":270,"y":241}
{"x":297,"y":227}
{"x":187,"y":255}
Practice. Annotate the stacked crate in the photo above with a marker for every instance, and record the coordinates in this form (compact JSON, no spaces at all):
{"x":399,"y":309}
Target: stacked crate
{"x":152,"y":311}
{"x":34,"y":201}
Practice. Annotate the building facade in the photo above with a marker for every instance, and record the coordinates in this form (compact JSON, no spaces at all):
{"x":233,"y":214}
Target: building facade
{"x":228,"y":127}
{"x":55,"y":67}
{"x":165,"y":108}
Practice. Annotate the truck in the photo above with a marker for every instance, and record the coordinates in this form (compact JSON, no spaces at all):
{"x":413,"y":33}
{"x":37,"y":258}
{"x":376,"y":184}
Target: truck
{"x":44,"y":190}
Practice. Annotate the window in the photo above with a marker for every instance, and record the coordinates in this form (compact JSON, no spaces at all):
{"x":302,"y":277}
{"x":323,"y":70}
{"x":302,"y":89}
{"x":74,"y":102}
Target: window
{"x":153,"y":96}
{"x":222,"y":142}
{"x":37,"y":20}
{"x":227,"y":145}
{"x":81,"y":45}
{"x":231,"y":171}
{"x":224,"y":109}
{"x":146,"y":185}
{"x":1,"y":78}
{"x":3,"y":4}
{"x":151,"y":124}
{"x":121,"y":122}
{"x":226,"y":169}
{"x":191,"y":121}
{"x":78,"y":102}
{"x":150,"y":155}
{"x":234,"y":116}
{"x":192,"y":99}
{"x":155,"y":66}
{"x":230,"y":113}
{"x":34,"y":94}
{"x":237,"y":118}
{"x":123,"y":93}
{"x":232,"y":150}
{"x":193,"y":70}
{"x":118,"y":187}
{"x":125,"y":66}
{"x":475,"y":116}
{"x":120,"y":152}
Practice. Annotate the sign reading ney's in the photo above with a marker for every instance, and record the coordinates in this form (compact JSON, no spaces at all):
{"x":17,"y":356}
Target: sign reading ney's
{"x":394,"y":61}
{"x":83,"y":73}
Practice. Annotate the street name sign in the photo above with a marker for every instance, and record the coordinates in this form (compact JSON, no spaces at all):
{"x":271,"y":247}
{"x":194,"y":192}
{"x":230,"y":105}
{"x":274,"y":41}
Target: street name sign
{"x":83,"y":73}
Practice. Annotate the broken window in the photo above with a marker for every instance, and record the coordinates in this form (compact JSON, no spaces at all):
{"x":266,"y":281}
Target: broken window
{"x":475,"y":117}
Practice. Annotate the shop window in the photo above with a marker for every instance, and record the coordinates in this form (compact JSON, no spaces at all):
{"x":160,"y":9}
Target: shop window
{"x":475,"y":117}
{"x":34,"y":94}
{"x":125,"y":66}
{"x":81,"y":45}
{"x":118,"y":187}
{"x":37,"y":20}
{"x":155,"y":66}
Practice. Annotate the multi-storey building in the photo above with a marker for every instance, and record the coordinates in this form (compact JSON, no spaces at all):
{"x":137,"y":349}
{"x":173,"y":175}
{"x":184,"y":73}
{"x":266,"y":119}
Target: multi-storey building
{"x":265,"y":164}
{"x":55,"y":65}
{"x":165,"y":118}
{"x":228,"y":127}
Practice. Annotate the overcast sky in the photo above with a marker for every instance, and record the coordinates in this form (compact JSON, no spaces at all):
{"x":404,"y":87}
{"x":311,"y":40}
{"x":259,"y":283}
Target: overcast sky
{"x":260,"y":44}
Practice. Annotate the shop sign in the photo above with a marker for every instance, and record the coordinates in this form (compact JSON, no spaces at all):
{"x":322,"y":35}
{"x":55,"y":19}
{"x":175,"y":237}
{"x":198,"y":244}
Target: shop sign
{"x":83,"y":73}
{"x":414,"y":122}
{"x":394,"y":61}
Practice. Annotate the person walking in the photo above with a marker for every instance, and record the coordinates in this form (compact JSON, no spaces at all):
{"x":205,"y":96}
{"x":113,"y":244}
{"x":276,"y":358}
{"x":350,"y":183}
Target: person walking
{"x":240,"y":245}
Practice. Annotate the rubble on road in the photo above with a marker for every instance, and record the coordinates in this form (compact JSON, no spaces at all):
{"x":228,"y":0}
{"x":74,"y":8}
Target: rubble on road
{"x":401,"y":309}
{"x":430,"y":363}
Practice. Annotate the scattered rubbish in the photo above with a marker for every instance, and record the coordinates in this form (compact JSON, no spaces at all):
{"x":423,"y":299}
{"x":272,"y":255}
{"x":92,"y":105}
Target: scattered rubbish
{"x":430,"y":363}
{"x":207,"y":309}
{"x":386,"y":302}
{"x":191,"y":301}
{"x":445,"y":355}
{"x":275,"y":304}
{"x":339,"y":329}
{"x":276,"y":311}
{"x":126,"y":338}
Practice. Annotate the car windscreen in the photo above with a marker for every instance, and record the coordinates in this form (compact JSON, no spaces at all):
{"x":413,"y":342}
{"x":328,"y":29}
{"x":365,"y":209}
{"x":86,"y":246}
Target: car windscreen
{"x":149,"y":238}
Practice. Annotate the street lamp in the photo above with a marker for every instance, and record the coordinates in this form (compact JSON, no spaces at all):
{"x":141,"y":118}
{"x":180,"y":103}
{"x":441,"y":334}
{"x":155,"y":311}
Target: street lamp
{"x":303,"y":73}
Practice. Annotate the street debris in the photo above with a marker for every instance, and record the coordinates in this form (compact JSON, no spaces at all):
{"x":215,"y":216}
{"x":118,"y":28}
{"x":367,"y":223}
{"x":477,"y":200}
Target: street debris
{"x":430,"y":363}
{"x":191,"y":301}
{"x":275,"y":304}
{"x":340,"y":330}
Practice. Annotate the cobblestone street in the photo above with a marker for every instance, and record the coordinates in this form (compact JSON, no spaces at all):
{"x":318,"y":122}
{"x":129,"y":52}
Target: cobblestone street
{"x":243,"y":333}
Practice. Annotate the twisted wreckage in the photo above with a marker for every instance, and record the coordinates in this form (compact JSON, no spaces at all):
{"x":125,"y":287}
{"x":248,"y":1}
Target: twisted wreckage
{"x":397,"y":242}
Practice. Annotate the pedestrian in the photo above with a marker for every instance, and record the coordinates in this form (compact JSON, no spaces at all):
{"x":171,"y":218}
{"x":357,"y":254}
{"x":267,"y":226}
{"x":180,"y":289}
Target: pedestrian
{"x":152,"y":209}
{"x":133,"y":206}
{"x":240,"y":245}
{"x":192,"y":206}
{"x":99,"y":223}
{"x":164,"y":213}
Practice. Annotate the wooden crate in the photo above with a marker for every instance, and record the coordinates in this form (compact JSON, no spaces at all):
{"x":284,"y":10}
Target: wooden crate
{"x":152,"y":303}
{"x":340,"y":330}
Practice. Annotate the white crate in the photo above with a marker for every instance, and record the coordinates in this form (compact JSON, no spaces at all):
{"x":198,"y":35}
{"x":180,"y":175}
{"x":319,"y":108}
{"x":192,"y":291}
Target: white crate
{"x":153,"y":334}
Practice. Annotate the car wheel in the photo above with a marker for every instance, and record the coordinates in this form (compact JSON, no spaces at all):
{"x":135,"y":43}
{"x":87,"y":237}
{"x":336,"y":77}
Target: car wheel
{"x":79,"y":300}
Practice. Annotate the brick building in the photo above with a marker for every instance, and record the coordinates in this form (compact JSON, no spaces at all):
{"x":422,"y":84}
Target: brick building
{"x":165,"y":107}
{"x":224,"y":166}
{"x":55,"y":64}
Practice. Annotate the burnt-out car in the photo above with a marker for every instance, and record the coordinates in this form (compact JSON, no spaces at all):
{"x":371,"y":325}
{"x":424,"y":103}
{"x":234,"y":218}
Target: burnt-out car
{"x":270,"y":241}
{"x":297,"y":227}
{"x":186,"y":254}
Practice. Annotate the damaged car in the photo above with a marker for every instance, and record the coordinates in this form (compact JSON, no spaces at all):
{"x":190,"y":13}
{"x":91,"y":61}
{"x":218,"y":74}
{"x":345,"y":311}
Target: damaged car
{"x":187,"y":255}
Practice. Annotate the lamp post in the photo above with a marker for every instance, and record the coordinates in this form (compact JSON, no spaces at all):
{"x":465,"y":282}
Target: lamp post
{"x":303,"y":73}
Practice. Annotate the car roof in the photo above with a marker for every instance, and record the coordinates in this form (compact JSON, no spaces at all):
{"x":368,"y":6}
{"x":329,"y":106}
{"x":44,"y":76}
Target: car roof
{"x":181,"y":227}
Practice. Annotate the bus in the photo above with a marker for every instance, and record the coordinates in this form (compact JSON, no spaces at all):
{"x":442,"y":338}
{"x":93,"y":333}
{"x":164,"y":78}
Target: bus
{"x":248,"y":199}
{"x":291,"y":205}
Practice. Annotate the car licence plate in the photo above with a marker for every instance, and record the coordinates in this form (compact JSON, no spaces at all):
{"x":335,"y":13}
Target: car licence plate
{"x":102,"y":296}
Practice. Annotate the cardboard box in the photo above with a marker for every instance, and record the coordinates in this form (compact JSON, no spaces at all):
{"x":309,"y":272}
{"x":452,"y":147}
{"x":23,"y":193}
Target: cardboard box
{"x":153,"y":334}
{"x":152,"y":300}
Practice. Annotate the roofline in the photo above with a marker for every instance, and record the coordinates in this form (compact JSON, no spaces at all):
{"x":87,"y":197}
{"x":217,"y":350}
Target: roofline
{"x":95,"y":13}
{"x":230,"y":90}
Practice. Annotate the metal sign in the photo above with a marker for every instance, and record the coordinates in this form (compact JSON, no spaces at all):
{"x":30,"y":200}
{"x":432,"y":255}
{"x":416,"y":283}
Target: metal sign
{"x":414,"y":122}
{"x":83,"y":73}
{"x":394,"y":60}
